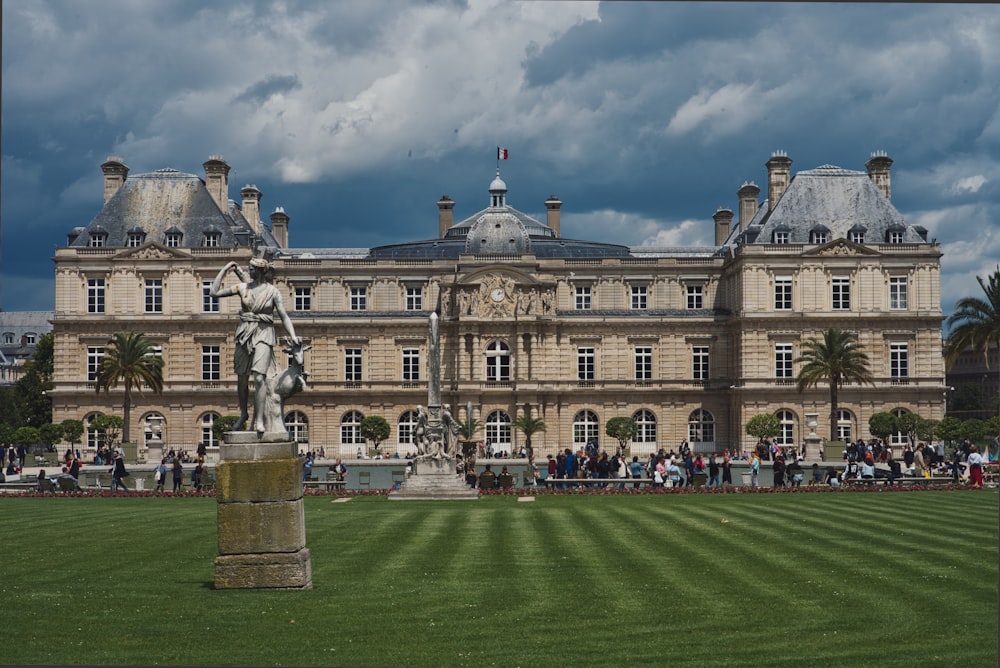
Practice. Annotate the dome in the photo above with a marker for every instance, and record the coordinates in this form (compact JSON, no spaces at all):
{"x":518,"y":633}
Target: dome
{"x":497,"y":232}
{"x":498,"y":184}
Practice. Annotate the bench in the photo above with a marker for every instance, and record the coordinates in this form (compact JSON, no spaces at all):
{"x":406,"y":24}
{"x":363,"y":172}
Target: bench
{"x":933,"y":480}
{"x":326,"y":485}
{"x":607,"y":482}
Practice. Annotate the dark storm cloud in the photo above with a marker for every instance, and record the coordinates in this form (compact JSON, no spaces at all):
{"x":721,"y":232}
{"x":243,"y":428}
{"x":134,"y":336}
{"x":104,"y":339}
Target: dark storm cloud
{"x":642,"y":117}
{"x":264,"y":89}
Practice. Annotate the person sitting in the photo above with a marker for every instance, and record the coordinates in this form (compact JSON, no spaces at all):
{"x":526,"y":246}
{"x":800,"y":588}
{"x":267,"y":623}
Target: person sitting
{"x":831,"y":477}
{"x":867,"y":470}
{"x":505,"y":480}
{"x":487,"y":479}
{"x":794,"y":472}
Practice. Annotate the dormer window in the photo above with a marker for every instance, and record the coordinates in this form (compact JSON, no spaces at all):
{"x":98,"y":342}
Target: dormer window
{"x":895,"y":237}
{"x":8,"y":338}
{"x":819,"y":235}
{"x":856,"y":235}
{"x":173,"y":237}
{"x":212,"y":239}
{"x":781,"y":236}
{"x":98,"y":240}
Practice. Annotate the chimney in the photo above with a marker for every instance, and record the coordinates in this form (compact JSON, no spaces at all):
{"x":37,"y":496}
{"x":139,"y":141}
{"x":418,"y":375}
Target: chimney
{"x":446,"y":215}
{"x":723,"y":220}
{"x":251,"y":206}
{"x":115,"y":173}
{"x":748,"y":194}
{"x":217,"y":180}
{"x":779,"y":168}
{"x":879,"y":165}
{"x":552,"y":206}
{"x":279,"y":227}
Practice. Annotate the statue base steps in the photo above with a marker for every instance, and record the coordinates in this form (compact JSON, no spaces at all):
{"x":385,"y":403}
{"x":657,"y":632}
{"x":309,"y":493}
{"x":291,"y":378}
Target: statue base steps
{"x":434,"y":480}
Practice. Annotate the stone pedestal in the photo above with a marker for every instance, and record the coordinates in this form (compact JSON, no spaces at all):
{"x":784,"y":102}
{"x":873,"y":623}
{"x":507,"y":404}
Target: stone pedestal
{"x":434,"y":480}
{"x":261,"y":519}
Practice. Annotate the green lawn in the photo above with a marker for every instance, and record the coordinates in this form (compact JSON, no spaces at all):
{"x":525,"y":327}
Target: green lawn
{"x":840,"y":579}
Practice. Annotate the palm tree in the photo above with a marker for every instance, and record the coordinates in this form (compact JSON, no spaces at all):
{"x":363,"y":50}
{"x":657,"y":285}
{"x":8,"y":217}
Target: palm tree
{"x":837,"y":359}
{"x":129,"y":359}
{"x":976,"y":322}
{"x":528,"y":426}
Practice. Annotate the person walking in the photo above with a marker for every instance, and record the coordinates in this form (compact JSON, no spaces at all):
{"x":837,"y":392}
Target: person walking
{"x":178,"y":472}
{"x":118,"y":473}
{"x":975,"y":462}
{"x":754,"y":469}
{"x":161,"y":475}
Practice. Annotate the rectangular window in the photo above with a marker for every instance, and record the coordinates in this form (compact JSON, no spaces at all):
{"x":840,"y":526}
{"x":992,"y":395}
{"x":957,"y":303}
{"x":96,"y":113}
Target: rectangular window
{"x":154,"y":295}
{"x":94,"y":355}
{"x":781,"y":237}
{"x":856,"y":236}
{"x":782,"y":293}
{"x":699,"y":362}
{"x":209,"y":304}
{"x":643,"y":363}
{"x":899,"y":363}
{"x":414,"y":299}
{"x":820,"y":237}
{"x":639,"y":294}
{"x":210,"y":363}
{"x":134,"y":240}
{"x":173,"y":240}
{"x":411,"y":365}
{"x":895,"y":236}
{"x":695,"y":296}
{"x":783,"y":361}
{"x":95,"y":295}
{"x":352,"y":365}
{"x":303,"y":298}
{"x":897,"y":292}
{"x":97,"y":241}
{"x":585,"y":364}
{"x":359,"y":298}
{"x":841,"y":293}
{"x":582,"y":298}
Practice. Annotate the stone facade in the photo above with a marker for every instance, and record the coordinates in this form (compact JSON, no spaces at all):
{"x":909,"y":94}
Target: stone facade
{"x":691,"y":341}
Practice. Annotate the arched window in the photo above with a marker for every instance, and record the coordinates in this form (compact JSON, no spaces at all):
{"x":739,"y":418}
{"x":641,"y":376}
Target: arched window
{"x":207,"y":435}
{"x":701,"y":427}
{"x":95,"y":437}
{"x":586,"y":427}
{"x":497,"y":430}
{"x":845,"y":421}
{"x":297,"y":425}
{"x":350,"y":432}
{"x":646,"y":423}
{"x":404,"y":432}
{"x":152,"y":428}
{"x":497,"y":362}
{"x":899,"y":439}
{"x":786,"y":431}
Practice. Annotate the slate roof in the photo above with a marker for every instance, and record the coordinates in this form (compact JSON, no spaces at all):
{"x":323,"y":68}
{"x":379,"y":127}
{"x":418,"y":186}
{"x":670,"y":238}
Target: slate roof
{"x":167,"y":200}
{"x":828,"y":197}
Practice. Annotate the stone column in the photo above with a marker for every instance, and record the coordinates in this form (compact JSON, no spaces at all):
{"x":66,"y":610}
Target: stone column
{"x":261,"y":519}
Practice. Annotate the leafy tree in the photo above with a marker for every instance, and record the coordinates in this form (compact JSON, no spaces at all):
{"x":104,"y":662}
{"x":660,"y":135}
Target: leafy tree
{"x":765,"y":425}
{"x":108,"y":426}
{"x":949,"y":429}
{"x":908,"y":423}
{"x":26,"y":436}
{"x":927,"y":429}
{"x":529,"y":426}
{"x":622,"y":429}
{"x":837,"y":359}
{"x":883,"y":425}
{"x":223,"y":424}
{"x":972,"y":429}
{"x":374,"y":428}
{"x":50,"y":434}
{"x":73,"y":431}
{"x":11,"y":406}
{"x":975,"y":323}
{"x":6,"y":435}
{"x":993,"y":426}
{"x":33,"y":387}
{"x":129,"y":359}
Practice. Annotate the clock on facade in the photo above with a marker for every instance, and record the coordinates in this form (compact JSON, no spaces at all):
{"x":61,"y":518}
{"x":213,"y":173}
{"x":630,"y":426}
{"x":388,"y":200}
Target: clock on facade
{"x":498,"y":294}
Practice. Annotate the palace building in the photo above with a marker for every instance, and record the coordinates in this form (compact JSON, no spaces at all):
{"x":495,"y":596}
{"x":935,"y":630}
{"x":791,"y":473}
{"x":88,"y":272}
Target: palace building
{"x":691,"y":341}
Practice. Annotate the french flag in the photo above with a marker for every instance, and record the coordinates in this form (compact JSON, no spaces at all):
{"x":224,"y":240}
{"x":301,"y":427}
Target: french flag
{"x":501,"y":153}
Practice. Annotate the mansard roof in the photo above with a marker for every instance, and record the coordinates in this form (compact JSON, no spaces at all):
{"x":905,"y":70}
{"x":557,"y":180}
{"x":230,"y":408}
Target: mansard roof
{"x":831,"y":197}
{"x":167,"y":200}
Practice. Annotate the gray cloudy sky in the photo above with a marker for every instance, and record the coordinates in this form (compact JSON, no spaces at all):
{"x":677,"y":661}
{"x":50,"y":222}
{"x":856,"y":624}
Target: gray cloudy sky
{"x":356,"y":116}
